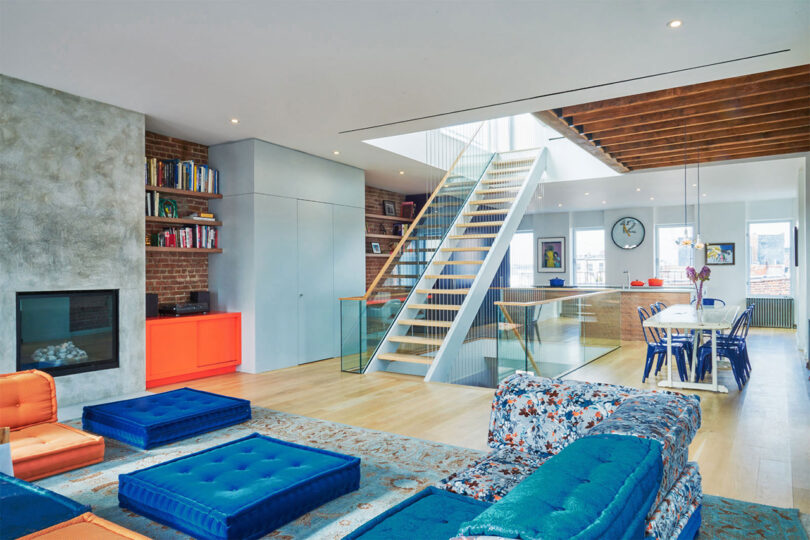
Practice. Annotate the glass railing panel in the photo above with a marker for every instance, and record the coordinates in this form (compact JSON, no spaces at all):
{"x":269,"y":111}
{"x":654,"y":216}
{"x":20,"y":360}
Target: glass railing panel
{"x":601,"y":325}
{"x":352,"y":331}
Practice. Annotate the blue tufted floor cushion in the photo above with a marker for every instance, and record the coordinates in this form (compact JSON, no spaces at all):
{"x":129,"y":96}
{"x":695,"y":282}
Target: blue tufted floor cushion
{"x":242,"y":489}
{"x":26,"y":508}
{"x":598,"y":487}
{"x":151,"y":421}
{"x":432,"y":513}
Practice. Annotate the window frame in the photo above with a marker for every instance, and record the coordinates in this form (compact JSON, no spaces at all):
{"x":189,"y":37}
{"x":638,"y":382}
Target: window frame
{"x":788,"y":263}
{"x":657,"y":262}
{"x":574,"y":280}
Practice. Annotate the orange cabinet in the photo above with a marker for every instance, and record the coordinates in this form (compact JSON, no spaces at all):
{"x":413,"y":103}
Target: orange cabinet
{"x":193,"y":346}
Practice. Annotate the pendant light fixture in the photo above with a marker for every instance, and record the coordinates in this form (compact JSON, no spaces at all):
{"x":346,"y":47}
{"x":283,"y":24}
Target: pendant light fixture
{"x":684,"y":240}
{"x":698,"y":241}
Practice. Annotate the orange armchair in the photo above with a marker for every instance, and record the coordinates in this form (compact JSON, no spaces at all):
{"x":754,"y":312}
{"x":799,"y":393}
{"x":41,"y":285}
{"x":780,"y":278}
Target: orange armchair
{"x":40,"y":446}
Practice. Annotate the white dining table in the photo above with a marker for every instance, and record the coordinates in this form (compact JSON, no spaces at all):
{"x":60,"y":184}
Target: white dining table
{"x":686,"y":317}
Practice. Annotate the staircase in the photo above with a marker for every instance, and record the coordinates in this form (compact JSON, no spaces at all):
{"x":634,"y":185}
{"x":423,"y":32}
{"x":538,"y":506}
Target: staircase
{"x":452,"y":256}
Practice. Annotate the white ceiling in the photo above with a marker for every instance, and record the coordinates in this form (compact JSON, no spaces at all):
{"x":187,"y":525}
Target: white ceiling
{"x":739,"y":180}
{"x":297,"y":73}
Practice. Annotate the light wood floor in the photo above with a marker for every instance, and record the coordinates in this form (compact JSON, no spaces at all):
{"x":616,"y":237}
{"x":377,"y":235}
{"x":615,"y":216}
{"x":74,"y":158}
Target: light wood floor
{"x":753,"y":445}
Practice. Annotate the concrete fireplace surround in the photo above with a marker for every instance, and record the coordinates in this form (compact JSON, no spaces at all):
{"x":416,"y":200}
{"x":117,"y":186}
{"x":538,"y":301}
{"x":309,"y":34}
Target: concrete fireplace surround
{"x":71,"y":218}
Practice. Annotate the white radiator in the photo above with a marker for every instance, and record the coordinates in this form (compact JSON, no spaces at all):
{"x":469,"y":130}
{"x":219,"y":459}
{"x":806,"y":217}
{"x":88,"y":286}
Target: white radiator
{"x":772,"y":312}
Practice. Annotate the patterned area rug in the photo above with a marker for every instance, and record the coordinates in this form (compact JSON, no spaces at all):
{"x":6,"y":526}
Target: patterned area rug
{"x":732,"y":519}
{"x":393,"y":468}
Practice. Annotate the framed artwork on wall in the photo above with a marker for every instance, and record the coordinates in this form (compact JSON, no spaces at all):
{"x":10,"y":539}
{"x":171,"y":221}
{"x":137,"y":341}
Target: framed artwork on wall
{"x":551,"y":254}
{"x":389,"y":208}
{"x":720,"y":254}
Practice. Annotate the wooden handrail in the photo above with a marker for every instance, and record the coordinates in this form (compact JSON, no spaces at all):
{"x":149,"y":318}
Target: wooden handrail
{"x":407,"y":235}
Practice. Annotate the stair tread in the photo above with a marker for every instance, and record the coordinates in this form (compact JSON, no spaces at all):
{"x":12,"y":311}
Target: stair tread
{"x":513,"y":161}
{"x":509,"y":170}
{"x":417,"y":340}
{"x":496,"y":190}
{"x":472,"y":236}
{"x":425,"y":322}
{"x":443,"y":291}
{"x":458,"y":263}
{"x":487,"y":212}
{"x":399,"y":357}
{"x":480,"y":202}
{"x":442,"y":307}
{"x":450,"y":276}
{"x":454,"y":250}
{"x":481,"y":224}
{"x":491,"y":181}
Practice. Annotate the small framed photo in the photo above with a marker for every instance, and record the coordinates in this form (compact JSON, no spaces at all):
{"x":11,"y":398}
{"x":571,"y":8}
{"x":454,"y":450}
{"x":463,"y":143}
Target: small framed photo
{"x":551,"y":254}
{"x":720,"y":254}
{"x":389,"y":208}
{"x":375,"y":247}
{"x":370,"y":228}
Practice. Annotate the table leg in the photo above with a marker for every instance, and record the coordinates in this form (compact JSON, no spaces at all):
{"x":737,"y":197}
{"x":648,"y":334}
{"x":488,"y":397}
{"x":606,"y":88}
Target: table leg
{"x":669,"y":355}
{"x":695,"y":345}
{"x":715,"y":375}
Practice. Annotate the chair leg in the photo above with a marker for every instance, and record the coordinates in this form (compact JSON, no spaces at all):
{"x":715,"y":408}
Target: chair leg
{"x":647,"y":365}
{"x":661,"y":359}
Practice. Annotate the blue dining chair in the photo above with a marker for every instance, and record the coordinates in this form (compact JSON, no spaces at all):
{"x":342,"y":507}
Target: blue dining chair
{"x":678,"y":336}
{"x":656,"y":348}
{"x":741,"y":341}
{"x":731,"y":347}
{"x":711,"y":302}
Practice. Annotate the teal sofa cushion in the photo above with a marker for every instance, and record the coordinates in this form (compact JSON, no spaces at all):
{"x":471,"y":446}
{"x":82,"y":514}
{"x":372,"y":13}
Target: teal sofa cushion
{"x":598,"y":487}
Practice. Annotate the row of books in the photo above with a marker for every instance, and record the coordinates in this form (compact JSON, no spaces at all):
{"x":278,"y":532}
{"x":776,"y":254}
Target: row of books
{"x":196,"y":236}
{"x":178,"y":174}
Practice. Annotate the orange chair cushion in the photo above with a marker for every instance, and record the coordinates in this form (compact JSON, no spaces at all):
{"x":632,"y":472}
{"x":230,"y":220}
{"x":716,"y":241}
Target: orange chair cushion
{"x":27,"y":398}
{"x":87,"y":526}
{"x":47,"y":449}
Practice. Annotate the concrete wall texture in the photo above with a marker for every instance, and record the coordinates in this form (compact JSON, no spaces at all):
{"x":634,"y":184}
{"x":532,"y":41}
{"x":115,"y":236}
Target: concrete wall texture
{"x":71,"y":218}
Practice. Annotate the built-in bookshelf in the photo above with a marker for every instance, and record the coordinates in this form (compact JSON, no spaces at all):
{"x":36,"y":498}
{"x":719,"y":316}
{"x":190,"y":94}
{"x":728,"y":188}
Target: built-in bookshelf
{"x":171,"y":179}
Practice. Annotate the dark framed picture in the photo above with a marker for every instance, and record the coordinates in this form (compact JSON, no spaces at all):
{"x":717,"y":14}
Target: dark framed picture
{"x":375,"y":247}
{"x":720,"y":254}
{"x":551,"y":254}
{"x":389,"y":208}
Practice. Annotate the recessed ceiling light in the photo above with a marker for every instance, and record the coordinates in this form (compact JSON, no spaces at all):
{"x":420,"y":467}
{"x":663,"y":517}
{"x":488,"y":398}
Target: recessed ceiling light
{"x":638,"y":189}
{"x":336,"y":152}
{"x":675,"y":23}
{"x":234,"y":120}
{"x":401,"y":172}
{"x":586,"y":193}
{"x":559,"y":205}
{"x":652,"y":198}
{"x":704,"y":194}
{"x":604,"y":202}
{"x":539,"y":196}
{"x":694,"y":185}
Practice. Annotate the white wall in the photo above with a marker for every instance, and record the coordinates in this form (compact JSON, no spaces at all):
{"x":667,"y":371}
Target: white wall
{"x":721,"y":222}
{"x":803,"y":274}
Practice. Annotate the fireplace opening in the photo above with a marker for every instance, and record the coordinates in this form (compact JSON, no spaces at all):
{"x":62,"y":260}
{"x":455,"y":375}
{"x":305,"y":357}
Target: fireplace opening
{"x":66,"y":332}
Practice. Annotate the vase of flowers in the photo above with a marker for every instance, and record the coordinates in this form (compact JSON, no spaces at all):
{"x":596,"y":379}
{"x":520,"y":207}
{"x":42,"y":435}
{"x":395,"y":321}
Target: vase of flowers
{"x":694,"y":276}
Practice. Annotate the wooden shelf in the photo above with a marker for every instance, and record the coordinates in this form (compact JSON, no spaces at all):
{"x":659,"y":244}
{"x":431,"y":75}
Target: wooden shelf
{"x":389,"y":218}
{"x":182,"y":221}
{"x":184,"y":192}
{"x":391,"y":236}
{"x":378,"y":254}
{"x":182,"y":250}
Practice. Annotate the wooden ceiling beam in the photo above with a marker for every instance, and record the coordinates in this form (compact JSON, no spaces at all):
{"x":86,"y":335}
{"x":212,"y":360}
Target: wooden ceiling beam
{"x":683,"y":91}
{"x":694,"y":157}
{"x":709,"y":131}
{"x":702,"y":98}
{"x":553,"y":121}
{"x":799,"y":104}
{"x":798,"y":133}
{"x":763,"y":153}
{"x":771,"y":98}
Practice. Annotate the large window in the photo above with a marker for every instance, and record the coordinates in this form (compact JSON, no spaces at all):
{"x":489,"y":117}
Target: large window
{"x":589,"y":256}
{"x":521,"y":260}
{"x":672,"y":258}
{"x":769,"y":258}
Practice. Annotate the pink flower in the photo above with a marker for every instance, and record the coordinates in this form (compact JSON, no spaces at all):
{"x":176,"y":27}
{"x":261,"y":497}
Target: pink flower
{"x":691,"y":274}
{"x":704,"y":274}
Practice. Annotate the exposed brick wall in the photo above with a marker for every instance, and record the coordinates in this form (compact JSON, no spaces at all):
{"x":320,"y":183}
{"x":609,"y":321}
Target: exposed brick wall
{"x":163,"y":147}
{"x":173,"y":275}
{"x":374,"y":205}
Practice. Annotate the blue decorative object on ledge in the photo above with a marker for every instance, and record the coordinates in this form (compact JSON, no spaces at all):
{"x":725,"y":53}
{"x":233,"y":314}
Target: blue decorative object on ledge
{"x":556,"y":282}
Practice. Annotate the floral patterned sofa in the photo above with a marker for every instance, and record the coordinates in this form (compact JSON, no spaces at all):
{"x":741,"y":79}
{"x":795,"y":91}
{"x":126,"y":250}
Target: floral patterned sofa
{"x":534,"y":418}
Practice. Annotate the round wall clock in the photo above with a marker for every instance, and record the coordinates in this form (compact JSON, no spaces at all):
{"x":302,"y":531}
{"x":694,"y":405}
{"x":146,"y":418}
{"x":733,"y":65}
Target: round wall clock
{"x":627,"y":233}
